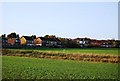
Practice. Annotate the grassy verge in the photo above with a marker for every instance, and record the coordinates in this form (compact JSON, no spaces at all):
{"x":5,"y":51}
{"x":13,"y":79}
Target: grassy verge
{"x":34,"y":68}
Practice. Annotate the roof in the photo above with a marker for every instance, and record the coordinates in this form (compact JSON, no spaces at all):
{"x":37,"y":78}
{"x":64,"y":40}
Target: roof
{"x":28,"y":37}
{"x":82,"y":38}
{"x":49,"y":39}
{"x":42,"y":38}
{"x":58,"y":39}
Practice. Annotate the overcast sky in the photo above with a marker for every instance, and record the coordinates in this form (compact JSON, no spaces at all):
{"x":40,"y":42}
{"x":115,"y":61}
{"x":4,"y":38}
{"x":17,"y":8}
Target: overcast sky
{"x":89,"y":19}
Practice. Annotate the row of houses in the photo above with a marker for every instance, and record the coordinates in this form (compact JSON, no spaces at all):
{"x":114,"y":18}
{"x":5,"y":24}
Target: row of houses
{"x":87,"y":42}
{"x":13,"y":40}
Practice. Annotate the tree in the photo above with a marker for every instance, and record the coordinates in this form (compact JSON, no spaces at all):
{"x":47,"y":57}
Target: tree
{"x":69,"y":43}
{"x":46,"y":36}
{"x":117,"y":43}
{"x":33,"y":36}
{"x":4,"y":35}
{"x":13,"y":35}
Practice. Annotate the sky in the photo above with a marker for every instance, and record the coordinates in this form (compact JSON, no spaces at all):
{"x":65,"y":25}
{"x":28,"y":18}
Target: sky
{"x":97,"y":20}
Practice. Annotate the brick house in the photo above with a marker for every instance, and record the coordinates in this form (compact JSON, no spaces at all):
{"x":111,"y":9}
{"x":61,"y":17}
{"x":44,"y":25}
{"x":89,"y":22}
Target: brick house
{"x":27,"y":40}
{"x":38,"y":42}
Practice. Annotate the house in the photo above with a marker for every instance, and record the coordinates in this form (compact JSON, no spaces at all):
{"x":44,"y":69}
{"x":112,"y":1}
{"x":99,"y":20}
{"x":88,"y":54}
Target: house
{"x":3,"y":39}
{"x":106,"y":43}
{"x":50,"y":42}
{"x":27,"y":40}
{"x":95,"y":43}
{"x":4,"y":42}
{"x":58,"y":42}
{"x":17,"y":41}
{"x":83,"y":42}
{"x":38,"y":42}
{"x":11,"y":41}
{"x":0,"y":42}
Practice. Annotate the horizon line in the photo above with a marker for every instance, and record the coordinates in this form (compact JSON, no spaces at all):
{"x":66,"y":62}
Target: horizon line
{"x":62,"y":37}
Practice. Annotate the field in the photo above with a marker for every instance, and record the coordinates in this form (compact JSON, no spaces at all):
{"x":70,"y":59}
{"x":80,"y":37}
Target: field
{"x":60,"y":63}
{"x":111,"y":51}
{"x":38,"y":68}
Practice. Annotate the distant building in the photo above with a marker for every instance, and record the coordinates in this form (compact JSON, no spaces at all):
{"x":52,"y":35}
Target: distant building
{"x":27,"y":40}
{"x":13,"y":40}
{"x":4,"y":42}
{"x":95,"y":43}
{"x":50,"y":42}
{"x":38,"y":42}
{"x":0,"y":42}
{"x":106,"y":43}
{"x":83,"y":42}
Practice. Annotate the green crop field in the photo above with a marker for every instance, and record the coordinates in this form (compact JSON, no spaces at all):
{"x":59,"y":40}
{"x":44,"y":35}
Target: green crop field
{"x":37,"y":68}
{"x":111,"y":51}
